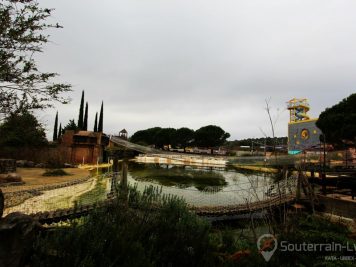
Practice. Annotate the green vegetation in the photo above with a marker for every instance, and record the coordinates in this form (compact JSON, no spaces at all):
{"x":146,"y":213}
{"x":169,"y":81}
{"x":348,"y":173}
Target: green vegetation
{"x":96,"y":194}
{"x":101,"y":118}
{"x":23,"y":33}
{"x":60,"y":130}
{"x":55,"y":129}
{"x":145,"y":137}
{"x":55,"y":172}
{"x":184,"y":137}
{"x":338,"y":122}
{"x":207,"y":136}
{"x":165,"y":136}
{"x":210,"y":136}
{"x":71,"y":126}
{"x":83,"y":118}
{"x":22,"y":130}
{"x":81,"y":112}
{"x":96,"y":122}
{"x":85,"y":123}
{"x":123,"y":236}
{"x":314,"y":230}
{"x":150,"y":229}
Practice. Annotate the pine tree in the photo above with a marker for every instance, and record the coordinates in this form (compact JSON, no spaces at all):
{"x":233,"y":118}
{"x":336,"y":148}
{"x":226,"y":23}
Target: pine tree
{"x":55,"y":130}
{"x":96,"y":123}
{"x":81,"y":112}
{"x":60,"y":130}
{"x":101,"y":118}
{"x":71,"y":126}
{"x":85,"y":123}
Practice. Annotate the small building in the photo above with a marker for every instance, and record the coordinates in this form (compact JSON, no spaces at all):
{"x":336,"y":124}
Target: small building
{"x":123,"y":134}
{"x":83,"y":147}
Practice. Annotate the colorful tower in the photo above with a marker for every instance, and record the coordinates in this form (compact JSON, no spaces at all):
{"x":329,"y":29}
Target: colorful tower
{"x":302,"y":131}
{"x":298,"y":109}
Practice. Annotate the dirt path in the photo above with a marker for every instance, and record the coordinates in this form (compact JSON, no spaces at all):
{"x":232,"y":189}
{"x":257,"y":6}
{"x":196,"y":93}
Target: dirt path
{"x":54,"y":199}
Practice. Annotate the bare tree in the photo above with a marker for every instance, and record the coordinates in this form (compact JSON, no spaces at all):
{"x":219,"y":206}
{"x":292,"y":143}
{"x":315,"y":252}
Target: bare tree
{"x":272,"y":124}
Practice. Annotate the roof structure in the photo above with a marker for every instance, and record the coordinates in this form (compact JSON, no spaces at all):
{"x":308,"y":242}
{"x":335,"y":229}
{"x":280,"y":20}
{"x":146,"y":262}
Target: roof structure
{"x":86,"y":133}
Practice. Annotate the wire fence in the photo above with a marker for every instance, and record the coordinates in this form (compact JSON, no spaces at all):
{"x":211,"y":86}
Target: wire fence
{"x":329,"y":159}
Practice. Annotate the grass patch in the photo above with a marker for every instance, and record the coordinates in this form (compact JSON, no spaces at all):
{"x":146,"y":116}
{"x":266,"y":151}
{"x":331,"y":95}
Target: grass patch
{"x":95,"y":195}
{"x":55,"y":172}
{"x":178,"y":176}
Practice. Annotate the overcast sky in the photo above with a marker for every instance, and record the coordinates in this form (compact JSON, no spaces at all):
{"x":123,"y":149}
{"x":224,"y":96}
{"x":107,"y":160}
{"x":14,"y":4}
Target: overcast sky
{"x":175,"y":63}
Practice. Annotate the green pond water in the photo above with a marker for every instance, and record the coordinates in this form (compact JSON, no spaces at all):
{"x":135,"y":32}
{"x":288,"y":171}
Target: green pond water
{"x":201,"y":186}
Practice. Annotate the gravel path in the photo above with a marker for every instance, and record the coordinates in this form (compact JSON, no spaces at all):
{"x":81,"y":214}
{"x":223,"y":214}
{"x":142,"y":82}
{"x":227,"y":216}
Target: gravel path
{"x":54,"y":199}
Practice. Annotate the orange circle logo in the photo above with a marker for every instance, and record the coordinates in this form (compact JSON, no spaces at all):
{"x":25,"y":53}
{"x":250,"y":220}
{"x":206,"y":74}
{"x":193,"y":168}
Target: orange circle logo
{"x":304,"y":134}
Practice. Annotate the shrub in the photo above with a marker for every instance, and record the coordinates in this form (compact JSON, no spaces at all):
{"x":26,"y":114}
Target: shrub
{"x":55,"y":172}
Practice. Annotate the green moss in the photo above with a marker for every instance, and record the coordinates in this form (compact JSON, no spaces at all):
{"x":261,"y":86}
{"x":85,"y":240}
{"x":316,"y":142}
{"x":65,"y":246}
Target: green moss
{"x":179,"y":177}
{"x":55,"y":172}
{"x":94,"y":195}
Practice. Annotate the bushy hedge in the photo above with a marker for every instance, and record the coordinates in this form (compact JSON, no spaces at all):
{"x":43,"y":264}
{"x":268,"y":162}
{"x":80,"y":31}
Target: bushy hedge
{"x":147,"y":230}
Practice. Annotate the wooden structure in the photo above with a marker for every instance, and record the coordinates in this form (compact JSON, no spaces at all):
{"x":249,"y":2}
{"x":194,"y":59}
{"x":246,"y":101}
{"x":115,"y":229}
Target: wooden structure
{"x":123,"y":134}
{"x":83,"y":147}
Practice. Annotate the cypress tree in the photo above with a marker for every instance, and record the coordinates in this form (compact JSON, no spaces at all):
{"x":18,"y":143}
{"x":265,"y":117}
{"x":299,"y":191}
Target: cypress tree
{"x":81,"y":113}
{"x":55,"y":130}
{"x":96,"y":122}
{"x":101,"y":118}
{"x":85,"y":122}
{"x":60,"y":130}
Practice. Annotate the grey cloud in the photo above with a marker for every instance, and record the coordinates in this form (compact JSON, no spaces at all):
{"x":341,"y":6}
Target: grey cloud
{"x":191,"y":63}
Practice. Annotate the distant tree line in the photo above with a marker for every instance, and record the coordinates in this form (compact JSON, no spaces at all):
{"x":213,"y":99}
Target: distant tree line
{"x":207,"y":136}
{"x":82,"y":124}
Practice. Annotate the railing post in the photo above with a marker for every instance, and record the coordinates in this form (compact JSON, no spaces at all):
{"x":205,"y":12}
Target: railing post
{"x":115,"y":167}
{"x":2,"y":203}
{"x":323,"y":181}
{"x":123,"y":184}
{"x":299,"y":185}
{"x":124,"y":174}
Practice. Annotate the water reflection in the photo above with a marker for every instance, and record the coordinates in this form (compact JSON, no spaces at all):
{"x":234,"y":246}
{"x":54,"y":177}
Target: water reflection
{"x":201,"y":186}
{"x":178,"y":176}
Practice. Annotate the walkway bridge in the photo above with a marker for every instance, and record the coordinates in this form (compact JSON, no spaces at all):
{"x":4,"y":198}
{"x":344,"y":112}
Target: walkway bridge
{"x":135,"y":147}
{"x":251,"y":160}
